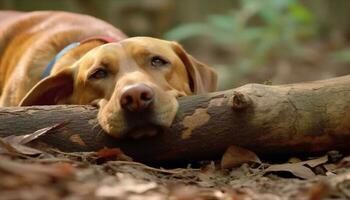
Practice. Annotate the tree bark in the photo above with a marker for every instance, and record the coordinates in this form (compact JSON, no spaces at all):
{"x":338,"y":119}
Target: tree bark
{"x":286,"y":119}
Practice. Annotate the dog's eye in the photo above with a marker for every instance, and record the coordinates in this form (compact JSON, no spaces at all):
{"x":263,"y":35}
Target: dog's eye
{"x":157,"y":61}
{"x":98,"y":74}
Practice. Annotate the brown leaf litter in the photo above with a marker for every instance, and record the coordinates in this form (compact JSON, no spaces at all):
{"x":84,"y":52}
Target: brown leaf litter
{"x":109,"y":174}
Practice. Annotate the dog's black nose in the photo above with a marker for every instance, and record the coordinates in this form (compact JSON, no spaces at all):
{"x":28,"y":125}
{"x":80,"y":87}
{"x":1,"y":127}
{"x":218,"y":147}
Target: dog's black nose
{"x":137,"y":97}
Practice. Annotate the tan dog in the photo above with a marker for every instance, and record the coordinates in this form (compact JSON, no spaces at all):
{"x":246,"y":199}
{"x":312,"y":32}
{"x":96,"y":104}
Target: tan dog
{"x":135,"y":82}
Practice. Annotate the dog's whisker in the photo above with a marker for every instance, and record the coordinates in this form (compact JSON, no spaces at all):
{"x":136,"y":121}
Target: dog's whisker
{"x":100,"y":132}
{"x":96,"y":126}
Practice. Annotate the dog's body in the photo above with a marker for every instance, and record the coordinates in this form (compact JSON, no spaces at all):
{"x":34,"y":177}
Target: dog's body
{"x":28,"y":41}
{"x":138,"y":78}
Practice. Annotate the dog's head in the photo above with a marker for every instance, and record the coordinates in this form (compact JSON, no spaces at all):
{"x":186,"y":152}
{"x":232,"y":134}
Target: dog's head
{"x":134,"y":82}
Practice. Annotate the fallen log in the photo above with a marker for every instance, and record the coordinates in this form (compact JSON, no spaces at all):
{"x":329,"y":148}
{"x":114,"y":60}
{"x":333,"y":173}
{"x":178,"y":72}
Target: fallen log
{"x":297,"y":118}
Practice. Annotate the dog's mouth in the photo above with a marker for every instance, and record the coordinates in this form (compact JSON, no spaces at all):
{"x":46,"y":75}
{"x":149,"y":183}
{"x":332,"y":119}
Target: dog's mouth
{"x":121,"y":123}
{"x":148,"y":130}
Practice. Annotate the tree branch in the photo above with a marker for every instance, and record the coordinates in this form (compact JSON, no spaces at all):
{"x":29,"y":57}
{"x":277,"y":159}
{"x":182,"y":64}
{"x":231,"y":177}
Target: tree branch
{"x":296,"y":118}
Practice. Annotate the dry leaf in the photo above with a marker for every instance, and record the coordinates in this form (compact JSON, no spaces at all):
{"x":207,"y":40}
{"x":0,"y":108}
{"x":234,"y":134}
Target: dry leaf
{"x":315,"y":162}
{"x":6,"y":147}
{"x":330,"y":174}
{"x":330,"y":167}
{"x":18,"y":149}
{"x":16,"y":144}
{"x":109,"y":152}
{"x":296,"y":169}
{"x":126,"y":186}
{"x":61,"y":170}
{"x":235,"y":156}
{"x":24,"y":139}
{"x":112,"y":154}
{"x":116,"y":190}
{"x":299,"y":169}
{"x":25,"y":150}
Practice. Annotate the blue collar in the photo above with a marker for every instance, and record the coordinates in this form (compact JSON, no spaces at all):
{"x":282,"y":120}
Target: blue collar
{"x":105,"y":39}
{"x":49,"y":67}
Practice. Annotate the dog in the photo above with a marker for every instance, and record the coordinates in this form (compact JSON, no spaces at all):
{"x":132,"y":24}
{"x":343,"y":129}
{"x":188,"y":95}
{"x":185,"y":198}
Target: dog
{"x":54,"y":57}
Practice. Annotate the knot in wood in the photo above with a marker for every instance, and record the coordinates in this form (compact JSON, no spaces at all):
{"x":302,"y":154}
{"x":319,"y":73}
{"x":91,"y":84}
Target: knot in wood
{"x":240,"y":101}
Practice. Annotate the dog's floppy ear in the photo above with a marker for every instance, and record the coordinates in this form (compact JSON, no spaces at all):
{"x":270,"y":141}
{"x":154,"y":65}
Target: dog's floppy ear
{"x":50,"y":90}
{"x":202,"y":78}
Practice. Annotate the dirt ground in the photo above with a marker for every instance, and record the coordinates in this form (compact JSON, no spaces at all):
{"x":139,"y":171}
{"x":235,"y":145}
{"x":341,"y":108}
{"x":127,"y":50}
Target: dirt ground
{"x":30,"y":173}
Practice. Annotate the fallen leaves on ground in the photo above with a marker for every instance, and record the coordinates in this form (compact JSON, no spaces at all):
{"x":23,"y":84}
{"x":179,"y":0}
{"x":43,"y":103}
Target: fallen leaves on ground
{"x":109,"y":174}
{"x":17,"y":144}
{"x":302,"y":169}
{"x":57,"y":170}
{"x":236,"y":156}
{"x":76,"y":176}
{"x":295,"y":168}
{"x":107,"y":154}
{"x":24,"y":139}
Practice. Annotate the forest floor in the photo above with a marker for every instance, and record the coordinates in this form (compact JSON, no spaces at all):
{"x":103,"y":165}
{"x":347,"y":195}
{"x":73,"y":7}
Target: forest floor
{"x":30,"y":173}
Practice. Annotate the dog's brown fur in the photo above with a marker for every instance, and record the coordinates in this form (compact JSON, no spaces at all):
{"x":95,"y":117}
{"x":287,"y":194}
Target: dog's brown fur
{"x":28,"y":41}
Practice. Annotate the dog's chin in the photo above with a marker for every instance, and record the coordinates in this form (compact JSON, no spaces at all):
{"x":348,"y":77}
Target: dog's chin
{"x":134,"y":132}
{"x":120,"y":125}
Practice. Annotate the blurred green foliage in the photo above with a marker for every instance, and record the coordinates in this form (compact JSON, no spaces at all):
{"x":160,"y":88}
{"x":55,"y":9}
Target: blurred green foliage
{"x":281,"y":41}
{"x":342,"y":55}
{"x":257,"y":32}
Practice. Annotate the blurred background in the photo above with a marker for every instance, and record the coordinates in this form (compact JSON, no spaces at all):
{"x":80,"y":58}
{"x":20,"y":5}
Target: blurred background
{"x":262,"y":41}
